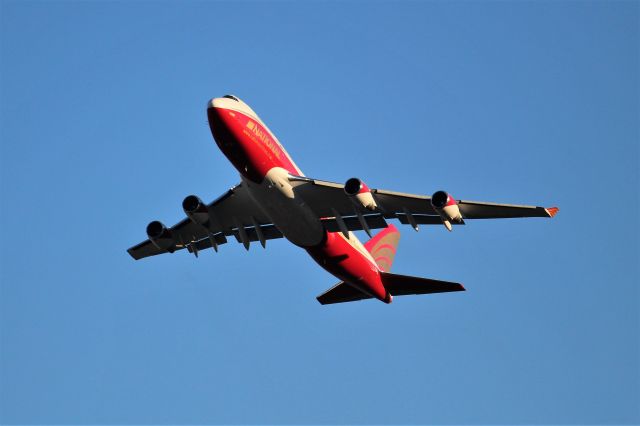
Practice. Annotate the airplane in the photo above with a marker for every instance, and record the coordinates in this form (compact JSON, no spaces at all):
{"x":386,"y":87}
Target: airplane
{"x":274,"y":199}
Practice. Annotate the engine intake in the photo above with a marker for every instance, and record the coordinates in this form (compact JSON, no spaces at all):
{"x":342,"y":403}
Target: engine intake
{"x":196,"y":210}
{"x":447,"y":207}
{"x":360,"y":193}
{"x":160,"y":236}
{"x":440,"y":199}
{"x":353,"y":186}
{"x":191,"y":203}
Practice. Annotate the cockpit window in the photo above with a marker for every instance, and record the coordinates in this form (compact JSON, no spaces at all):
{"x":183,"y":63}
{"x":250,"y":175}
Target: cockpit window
{"x":231,"y":97}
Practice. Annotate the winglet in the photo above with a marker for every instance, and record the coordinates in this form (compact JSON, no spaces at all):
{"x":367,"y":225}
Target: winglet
{"x":552,"y":211}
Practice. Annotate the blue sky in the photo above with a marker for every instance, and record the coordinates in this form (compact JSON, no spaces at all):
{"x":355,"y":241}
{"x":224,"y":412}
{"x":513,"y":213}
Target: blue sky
{"x":103,"y":129}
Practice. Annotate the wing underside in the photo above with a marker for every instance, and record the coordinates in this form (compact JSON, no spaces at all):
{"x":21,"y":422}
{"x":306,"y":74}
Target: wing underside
{"x":235,"y":215}
{"x":232,"y":215}
{"x":328,"y":198}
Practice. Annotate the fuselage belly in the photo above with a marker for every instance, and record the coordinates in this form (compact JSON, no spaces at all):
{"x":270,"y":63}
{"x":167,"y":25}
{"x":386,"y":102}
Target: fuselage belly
{"x":287,"y":212}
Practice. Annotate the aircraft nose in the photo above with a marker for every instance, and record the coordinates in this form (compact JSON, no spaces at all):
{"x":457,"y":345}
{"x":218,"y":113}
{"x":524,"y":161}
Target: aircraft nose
{"x":213,"y":103}
{"x":226,"y":100}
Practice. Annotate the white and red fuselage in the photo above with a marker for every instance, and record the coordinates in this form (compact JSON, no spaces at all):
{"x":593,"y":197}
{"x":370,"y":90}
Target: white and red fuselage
{"x":265,"y":168}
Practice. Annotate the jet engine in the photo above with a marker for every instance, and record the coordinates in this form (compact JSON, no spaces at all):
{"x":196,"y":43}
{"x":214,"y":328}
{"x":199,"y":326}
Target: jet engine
{"x":447,"y":207}
{"x":196,"y":210}
{"x":160,"y":236}
{"x":360,"y":193}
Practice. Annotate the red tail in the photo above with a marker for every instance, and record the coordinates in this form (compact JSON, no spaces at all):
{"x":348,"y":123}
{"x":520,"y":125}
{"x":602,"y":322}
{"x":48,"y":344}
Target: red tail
{"x":383,"y":247}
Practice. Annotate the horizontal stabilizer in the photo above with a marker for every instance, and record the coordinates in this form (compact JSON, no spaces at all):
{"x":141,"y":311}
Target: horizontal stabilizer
{"x":341,"y":292}
{"x":396,"y":285}
{"x":401,"y":285}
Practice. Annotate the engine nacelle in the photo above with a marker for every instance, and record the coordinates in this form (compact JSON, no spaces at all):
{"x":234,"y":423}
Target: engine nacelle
{"x":160,"y":236}
{"x":196,"y":210}
{"x":360,"y":193}
{"x":445,"y":205}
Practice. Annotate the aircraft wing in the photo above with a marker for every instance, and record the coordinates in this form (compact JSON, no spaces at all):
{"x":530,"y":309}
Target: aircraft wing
{"x":232,"y":214}
{"x":329,"y":201}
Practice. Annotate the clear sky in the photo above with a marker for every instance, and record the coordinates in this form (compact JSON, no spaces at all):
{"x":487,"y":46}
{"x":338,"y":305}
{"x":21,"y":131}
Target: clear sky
{"x":103,"y":129}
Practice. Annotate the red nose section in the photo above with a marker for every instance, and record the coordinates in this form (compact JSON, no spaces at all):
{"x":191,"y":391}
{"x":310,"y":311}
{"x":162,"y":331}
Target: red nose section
{"x":227,"y":131}
{"x":247,"y":143}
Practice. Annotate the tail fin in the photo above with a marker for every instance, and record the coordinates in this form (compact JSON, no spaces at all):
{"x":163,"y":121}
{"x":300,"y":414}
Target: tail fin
{"x":383,"y":247}
{"x":401,"y":285}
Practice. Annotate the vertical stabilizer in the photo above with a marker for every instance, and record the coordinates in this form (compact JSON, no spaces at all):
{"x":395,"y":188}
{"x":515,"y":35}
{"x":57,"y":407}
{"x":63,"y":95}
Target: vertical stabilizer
{"x":383,"y":247}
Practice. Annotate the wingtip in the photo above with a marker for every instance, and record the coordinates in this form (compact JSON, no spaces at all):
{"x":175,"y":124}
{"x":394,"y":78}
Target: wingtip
{"x":552,"y":211}
{"x":131,"y":253}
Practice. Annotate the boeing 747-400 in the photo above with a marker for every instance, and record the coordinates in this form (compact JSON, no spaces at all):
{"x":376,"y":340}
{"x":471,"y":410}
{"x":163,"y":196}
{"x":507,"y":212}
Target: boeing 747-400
{"x":274,"y":199}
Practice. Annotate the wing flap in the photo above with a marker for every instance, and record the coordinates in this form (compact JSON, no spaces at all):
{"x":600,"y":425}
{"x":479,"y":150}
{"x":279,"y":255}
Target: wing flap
{"x":374,"y":221}
{"x":269,"y":232}
{"x":423,"y":219}
{"x":206,"y":243}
